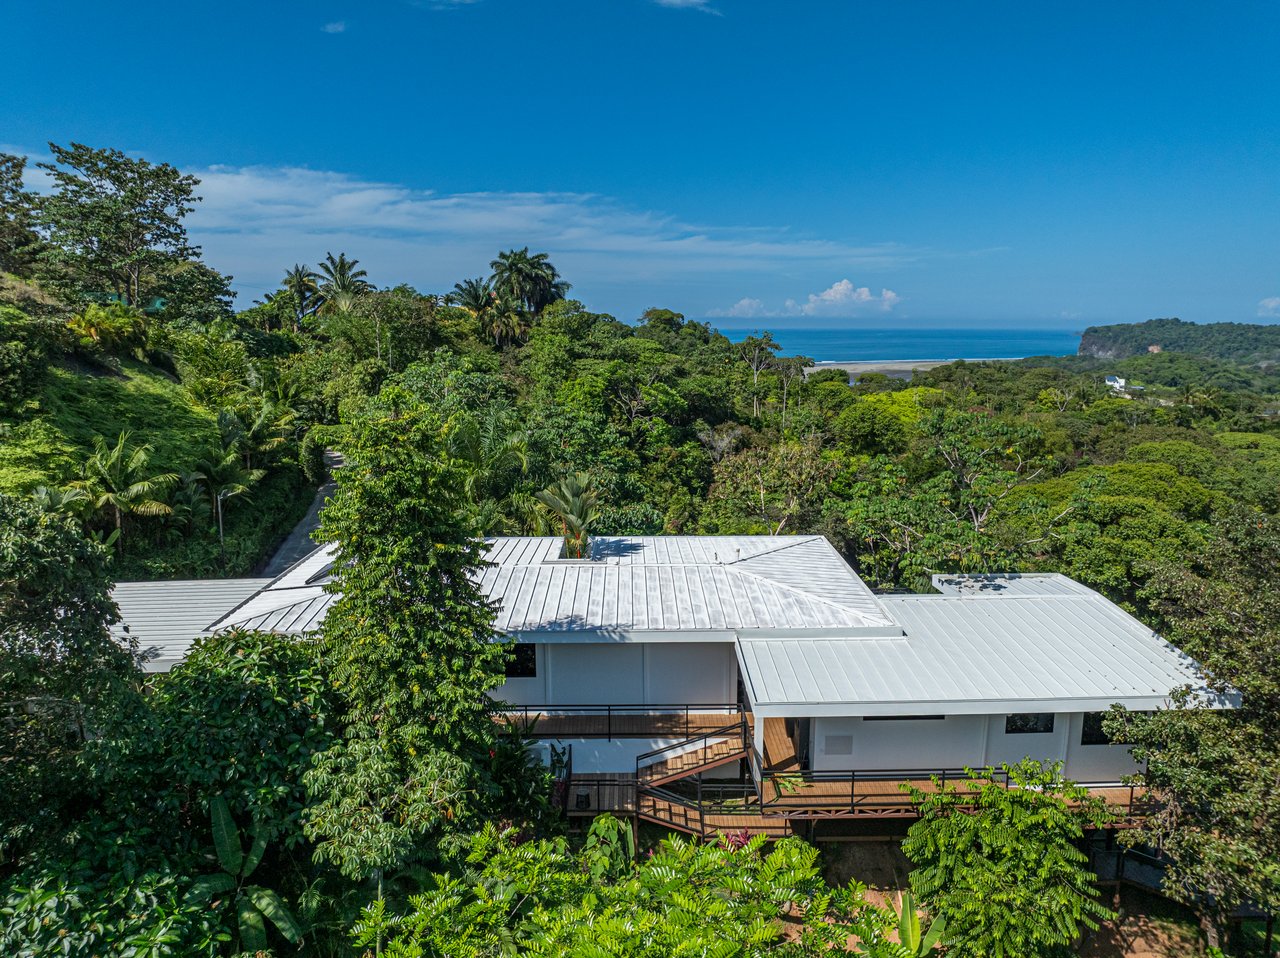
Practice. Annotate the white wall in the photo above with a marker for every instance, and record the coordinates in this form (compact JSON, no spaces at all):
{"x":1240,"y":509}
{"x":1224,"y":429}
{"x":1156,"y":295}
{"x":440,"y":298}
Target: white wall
{"x":1096,"y":763}
{"x":951,"y":742}
{"x":657,"y":673}
{"x":962,"y":740}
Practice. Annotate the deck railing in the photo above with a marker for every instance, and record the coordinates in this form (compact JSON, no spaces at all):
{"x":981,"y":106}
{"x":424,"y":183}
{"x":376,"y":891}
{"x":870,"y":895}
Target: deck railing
{"x":621,"y":721}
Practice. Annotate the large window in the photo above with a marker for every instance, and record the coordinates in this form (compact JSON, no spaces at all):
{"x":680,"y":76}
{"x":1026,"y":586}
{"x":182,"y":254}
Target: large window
{"x":523,"y":663}
{"x":1028,"y":722}
{"x":1092,"y":732}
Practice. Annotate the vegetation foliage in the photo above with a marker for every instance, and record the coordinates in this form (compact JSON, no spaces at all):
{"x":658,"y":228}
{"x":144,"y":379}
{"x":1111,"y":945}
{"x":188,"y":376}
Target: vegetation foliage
{"x":149,"y":430}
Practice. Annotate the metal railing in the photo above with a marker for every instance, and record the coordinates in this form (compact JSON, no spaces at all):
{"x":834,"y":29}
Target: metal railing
{"x":589,"y":795}
{"x":692,"y":757}
{"x":618,"y":721}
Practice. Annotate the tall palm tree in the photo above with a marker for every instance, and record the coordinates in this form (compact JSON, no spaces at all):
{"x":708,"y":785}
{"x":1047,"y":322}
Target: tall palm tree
{"x":116,"y":478}
{"x":341,"y":276}
{"x":528,"y":278}
{"x":575,"y":504}
{"x":226,"y":477}
{"x":304,"y":283}
{"x":473,"y":295}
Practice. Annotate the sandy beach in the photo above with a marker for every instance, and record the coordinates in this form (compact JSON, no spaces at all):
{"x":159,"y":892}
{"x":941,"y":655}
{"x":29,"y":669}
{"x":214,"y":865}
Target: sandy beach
{"x":898,"y":368}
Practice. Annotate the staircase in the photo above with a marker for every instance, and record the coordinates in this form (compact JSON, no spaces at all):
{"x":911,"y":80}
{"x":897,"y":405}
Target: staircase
{"x":698,"y":754}
{"x":672,"y":811}
{"x":690,"y":757}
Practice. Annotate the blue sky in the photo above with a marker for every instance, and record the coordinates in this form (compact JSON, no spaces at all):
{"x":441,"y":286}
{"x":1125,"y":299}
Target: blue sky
{"x":763,"y":162}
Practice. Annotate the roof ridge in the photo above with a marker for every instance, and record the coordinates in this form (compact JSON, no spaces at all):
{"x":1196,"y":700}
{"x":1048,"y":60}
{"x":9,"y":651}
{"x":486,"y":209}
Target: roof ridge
{"x":798,"y":540}
{"x":813,"y":597}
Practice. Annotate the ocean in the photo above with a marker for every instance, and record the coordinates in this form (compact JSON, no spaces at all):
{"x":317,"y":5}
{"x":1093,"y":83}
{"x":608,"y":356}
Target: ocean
{"x":866,"y":344}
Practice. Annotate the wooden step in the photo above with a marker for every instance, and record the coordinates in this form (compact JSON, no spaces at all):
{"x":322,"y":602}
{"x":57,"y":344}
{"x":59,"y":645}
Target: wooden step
{"x":690,"y":820}
{"x":696,"y":760}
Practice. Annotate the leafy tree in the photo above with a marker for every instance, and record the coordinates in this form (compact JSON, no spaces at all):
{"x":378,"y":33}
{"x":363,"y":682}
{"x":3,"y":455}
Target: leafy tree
{"x":1216,"y":773}
{"x":410,"y":645}
{"x":253,"y":904}
{"x":19,"y":242}
{"x":26,"y":347}
{"x":117,"y":480}
{"x":999,"y":863}
{"x":303,"y":283}
{"x":473,"y":295}
{"x":687,"y":898}
{"x":60,"y":666}
{"x":574,"y":504}
{"x":528,"y":279}
{"x":773,"y":490}
{"x":341,"y":276}
{"x":115,"y":223}
{"x":759,"y":352}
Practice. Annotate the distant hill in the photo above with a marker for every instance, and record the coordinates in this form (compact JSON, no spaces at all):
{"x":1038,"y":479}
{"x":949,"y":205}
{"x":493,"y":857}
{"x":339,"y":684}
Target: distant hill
{"x":1238,"y":342}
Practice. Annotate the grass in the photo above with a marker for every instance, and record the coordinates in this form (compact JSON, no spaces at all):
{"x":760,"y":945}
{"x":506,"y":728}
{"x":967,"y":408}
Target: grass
{"x":79,"y":402}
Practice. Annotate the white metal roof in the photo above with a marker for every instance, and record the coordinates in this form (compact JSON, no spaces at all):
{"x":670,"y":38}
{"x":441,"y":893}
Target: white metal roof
{"x":166,"y":617}
{"x":642,"y":588}
{"x":1068,"y":651}
{"x":1009,"y":583}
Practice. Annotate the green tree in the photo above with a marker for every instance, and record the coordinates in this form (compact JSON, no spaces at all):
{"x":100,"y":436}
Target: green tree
{"x":999,"y":863}
{"x":1217,"y":773}
{"x":60,"y":666}
{"x":340,"y":275}
{"x":473,"y":295}
{"x":574,"y":505}
{"x":19,"y":243}
{"x":115,"y":223}
{"x":772,"y":489}
{"x":304,"y":284}
{"x":410,"y":645}
{"x":688,"y":898}
{"x":529,"y":279}
{"x":118,"y":481}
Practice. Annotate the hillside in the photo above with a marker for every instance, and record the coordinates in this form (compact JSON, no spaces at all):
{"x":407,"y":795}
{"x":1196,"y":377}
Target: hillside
{"x":1250,"y":343}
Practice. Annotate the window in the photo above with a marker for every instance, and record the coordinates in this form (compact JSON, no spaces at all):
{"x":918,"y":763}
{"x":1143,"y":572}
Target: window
{"x":1026,"y":722}
{"x":903,"y":718}
{"x":523,"y":663}
{"x":1092,"y":733}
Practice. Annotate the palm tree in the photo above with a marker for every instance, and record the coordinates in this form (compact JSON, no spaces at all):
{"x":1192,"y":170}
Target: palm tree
{"x":490,"y":449}
{"x":116,"y":478}
{"x":473,"y":295}
{"x":575,"y":503}
{"x":63,"y":502}
{"x":304,"y":283}
{"x":506,"y":320}
{"x":226,"y":477}
{"x":529,"y":279}
{"x":341,"y":276}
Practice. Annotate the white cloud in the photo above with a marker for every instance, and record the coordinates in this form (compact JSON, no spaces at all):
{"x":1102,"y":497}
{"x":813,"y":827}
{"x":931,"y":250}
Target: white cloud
{"x":745,"y":308}
{"x":701,"y":5}
{"x":841,"y":299}
{"x":255,"y":221}
{"x":1269,"y":307}
{"x":338,"y":26}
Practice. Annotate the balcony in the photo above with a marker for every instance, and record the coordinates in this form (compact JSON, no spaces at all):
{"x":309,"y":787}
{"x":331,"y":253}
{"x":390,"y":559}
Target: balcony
{"x":772,"y":794}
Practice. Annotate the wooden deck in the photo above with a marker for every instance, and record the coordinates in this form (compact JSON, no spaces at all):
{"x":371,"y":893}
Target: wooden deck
{"x":787,"y":794}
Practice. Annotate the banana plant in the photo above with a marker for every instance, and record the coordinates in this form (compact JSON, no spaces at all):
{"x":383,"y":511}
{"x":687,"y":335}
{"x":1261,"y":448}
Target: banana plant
{"x":909,"y":935}
{"x":254,"y":905}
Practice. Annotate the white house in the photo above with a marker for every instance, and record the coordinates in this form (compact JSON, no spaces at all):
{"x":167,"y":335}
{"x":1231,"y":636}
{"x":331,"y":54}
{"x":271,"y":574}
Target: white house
{"x":665,"y":663}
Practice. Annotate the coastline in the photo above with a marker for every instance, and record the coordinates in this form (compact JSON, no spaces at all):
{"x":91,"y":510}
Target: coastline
{"x":897,"y":368}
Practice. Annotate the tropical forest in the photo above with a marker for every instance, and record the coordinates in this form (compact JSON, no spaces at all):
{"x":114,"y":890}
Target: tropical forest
{"x":357,"y":791}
